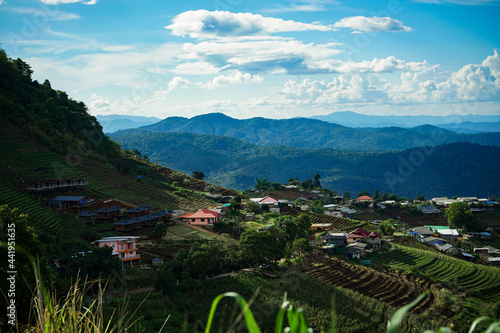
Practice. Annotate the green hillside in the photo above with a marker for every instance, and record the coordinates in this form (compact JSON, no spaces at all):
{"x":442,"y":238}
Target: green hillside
{"x":446,"y":170}
{"x":314,"y":134}
{"x":47,"y":136}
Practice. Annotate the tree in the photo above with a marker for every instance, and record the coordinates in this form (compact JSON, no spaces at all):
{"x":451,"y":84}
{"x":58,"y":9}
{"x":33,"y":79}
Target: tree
{"x":201,"y":261}
{"x":460,"y":216}
{"x":346,"y":197}
{"x":262,"y":184}
{"x":317,"y":182}
{"x":306,"y":184}
{"x":261,"y":247}
{"x":198,"y":175}
{"x":420,"y":198}
{"x":252,"y":206}
{"x":387,"y":227}
{"x":165,"y":280}
{"x":276,"y":186}
{"x":360,"y":194}
{"x":160,"y":230}
{"x":301,"y":245}
{"x":236,"y":203}
{"x":303,"y":224}
{"x":318,"y":207}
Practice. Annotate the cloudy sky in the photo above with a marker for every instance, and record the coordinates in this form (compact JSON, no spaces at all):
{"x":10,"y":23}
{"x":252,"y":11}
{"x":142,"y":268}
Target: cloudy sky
{"x":276,"y":59}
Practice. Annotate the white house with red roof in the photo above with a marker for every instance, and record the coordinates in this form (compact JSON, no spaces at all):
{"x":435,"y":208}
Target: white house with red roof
{"x":202,"y":217}
{"x":364,"y":198}
{"x":272,"y":202}
{"x":359,"y":234}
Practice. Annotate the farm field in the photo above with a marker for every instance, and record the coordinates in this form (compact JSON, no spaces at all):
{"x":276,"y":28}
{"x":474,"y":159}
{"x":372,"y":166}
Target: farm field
{"x":339,"y":223}
{"x":481,"y":281}
{"x":394,"y":290}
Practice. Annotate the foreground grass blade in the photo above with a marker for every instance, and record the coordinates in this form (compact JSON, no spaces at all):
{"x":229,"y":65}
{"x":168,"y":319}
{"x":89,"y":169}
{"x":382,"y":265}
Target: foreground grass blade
{"x":397,"y":318}
{"x":249,"y":319}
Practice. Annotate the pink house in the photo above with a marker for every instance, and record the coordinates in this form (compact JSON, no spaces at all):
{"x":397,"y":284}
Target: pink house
{"x":202,"y":217}
{"x":125,"y":247}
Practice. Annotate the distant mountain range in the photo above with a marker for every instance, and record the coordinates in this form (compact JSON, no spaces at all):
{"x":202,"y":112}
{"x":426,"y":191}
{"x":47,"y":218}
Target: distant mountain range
{"x":114,"y":122}
{"x":472,"y":123}
{"x":462,"y":169}
{"x":314,"y":134}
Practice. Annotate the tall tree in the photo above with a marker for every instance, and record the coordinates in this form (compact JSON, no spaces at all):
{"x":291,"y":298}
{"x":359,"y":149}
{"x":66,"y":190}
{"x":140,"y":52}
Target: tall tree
{"x":317,"y":182}
{"x":460,"y":216}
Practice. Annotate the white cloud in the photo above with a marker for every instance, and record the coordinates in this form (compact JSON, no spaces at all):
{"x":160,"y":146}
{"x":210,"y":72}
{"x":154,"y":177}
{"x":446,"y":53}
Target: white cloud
{"x":135,"y":70}
{"x":57,"y":2}
{"x":197,"y":67}
{"x":2,"y":2}
{"x":176,"y":82}
{"x":263,"y":56}
{"x":232,"y":78}
{"x":418,"y":84}
{"x":50,"y":15}
{"x":372,"y":24}
{"x":206,"y":24}
{"x":342,"y":89}
{"x":304,"y":6}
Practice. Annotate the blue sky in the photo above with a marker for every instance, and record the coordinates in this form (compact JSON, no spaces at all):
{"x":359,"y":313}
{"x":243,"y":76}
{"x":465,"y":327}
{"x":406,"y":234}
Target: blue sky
{"x":276,"y":59}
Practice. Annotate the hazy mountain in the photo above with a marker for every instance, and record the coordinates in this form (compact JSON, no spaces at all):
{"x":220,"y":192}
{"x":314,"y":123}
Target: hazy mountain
{"x":470,"y":127}
{"x":353,"y":119}
{"x":114,"y":122}
{"x":452,"y":169}
{"x":313,"y":133}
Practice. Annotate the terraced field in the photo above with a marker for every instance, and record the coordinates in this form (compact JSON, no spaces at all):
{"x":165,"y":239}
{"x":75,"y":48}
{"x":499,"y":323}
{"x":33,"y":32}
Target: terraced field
{"x":339,"y":223}
{"x":39,"y":215}
{"x":482,"y":281}
{"x":393,"y":290}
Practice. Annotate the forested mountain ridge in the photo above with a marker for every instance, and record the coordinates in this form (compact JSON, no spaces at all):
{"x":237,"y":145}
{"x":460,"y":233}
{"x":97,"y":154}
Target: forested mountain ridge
{"x":314,"y":134}
{"x":450,"y":169}
{"x":49,"y":115}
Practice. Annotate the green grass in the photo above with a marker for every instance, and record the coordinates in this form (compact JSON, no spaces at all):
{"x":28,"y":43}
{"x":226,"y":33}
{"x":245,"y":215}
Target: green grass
{"x":180,"y":233}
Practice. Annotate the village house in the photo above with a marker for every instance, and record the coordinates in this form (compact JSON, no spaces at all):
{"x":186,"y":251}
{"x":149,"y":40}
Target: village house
{"x":356,"y":250}
{"x":275,"y":205}
{"x":68,"y":203}
{"x":86,"y":216}
{"x":202,"y":217}
{"x":125,"y":247}
{"x":335,"y":238}
{"x":364,"y":198}
{"x":421,"y":233}
{"x":334,"y":242}
{"x":359,"y":234}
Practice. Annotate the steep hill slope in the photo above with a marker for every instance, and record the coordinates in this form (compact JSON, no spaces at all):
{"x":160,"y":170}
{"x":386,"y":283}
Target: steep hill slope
{"x":452,"y":169}
{"x":48,"y":137}
{"x":313,"y":134}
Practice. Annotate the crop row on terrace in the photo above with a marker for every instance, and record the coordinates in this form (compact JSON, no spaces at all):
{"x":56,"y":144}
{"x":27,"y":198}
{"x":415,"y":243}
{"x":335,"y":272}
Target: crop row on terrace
{"x":340,"y":223}
{"x":393,"y":290}
{"x":480,"y":280}
{"x":39,"y":215}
